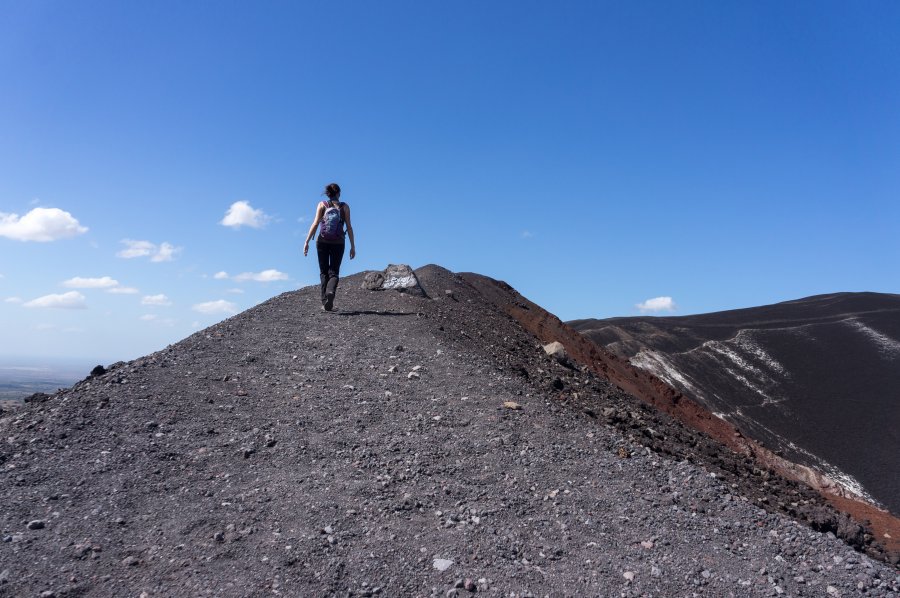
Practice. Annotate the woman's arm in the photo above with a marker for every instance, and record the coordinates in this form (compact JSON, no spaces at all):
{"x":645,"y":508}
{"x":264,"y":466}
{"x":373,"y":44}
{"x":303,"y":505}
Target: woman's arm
{"x":312,"y":229}
{"x":349,"y":231}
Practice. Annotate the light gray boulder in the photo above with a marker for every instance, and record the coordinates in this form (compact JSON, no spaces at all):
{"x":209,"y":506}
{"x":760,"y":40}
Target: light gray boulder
{"x":398,"y":277}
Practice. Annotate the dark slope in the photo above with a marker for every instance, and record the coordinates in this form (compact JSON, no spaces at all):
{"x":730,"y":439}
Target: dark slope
{"x":288,"y":451}
{"x":817,"y":379}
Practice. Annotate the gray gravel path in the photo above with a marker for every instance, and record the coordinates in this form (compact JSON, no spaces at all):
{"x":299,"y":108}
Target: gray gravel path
{"x":288,"y":451}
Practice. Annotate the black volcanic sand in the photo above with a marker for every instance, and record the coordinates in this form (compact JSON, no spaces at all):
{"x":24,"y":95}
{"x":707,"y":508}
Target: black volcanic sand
{"x":836,"y":396}
{"x":294,"y":452}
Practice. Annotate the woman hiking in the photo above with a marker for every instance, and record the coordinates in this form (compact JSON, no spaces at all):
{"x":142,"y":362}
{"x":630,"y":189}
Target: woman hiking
{"x":331,"y":217}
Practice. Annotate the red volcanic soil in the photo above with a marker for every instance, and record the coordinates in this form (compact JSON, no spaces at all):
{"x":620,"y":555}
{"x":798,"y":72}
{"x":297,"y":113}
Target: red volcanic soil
{"x":652,"y":390}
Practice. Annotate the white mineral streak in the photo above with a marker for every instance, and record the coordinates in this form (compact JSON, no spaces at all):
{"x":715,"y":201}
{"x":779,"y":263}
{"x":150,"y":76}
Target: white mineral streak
{"x":744,"y":340}
{"x":659,"y":365}
{"x":887,"y":347}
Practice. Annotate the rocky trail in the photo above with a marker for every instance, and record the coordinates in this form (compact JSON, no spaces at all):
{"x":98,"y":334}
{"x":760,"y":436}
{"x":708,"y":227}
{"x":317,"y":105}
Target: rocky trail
{"x":400,"y":446}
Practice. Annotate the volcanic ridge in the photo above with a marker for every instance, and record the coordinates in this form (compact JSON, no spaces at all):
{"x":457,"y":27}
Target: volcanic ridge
{"x":817,"y":379}
{"x":419,"y":441}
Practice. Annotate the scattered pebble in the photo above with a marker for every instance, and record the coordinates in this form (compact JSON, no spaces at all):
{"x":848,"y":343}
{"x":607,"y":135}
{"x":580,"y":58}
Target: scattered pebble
{"x":442,"y":564}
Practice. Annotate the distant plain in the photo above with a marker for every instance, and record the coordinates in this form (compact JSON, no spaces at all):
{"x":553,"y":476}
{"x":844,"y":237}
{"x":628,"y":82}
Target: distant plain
{"x":20,"y":378}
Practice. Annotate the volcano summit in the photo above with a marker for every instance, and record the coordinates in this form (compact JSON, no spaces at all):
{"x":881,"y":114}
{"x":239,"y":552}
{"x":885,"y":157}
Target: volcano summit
{"x":410,"y":444}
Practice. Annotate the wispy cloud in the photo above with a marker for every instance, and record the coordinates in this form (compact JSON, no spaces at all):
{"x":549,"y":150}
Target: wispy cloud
{"x":13,"y":300}
{"x":216,"y":307}
{"x":78,"y":282}
{"x":148,"y":317}
{"x":70,"y":300}
{"x":221,"y":275}
{"x":158,"y":300}
{"x":41,"y":225}
{"x":264,"y":276}
{"x":235,"y":291}
{"x":123,"y":291}
{"x":164,"y":252}
{"x":656,"y":304}
{"x":526,"y":234}
{"x":241,"y":213}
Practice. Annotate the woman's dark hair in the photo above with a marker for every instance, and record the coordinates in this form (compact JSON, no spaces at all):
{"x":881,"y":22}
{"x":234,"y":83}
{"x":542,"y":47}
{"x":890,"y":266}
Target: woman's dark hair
{"x":333,"y":191}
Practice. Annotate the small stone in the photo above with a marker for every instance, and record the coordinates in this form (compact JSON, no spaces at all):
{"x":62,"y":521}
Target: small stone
{"x":557,"y":351}
{"x":629,"y":575}
{"x":48,"y":594}
{"x":470,"y":585}
{"x":442,"y":564}
{"x":832,"y":591}
{"x":512,"y":405}
{"x":4,"y":576}
{"x":388,"y":394}
{"x":392,"y":369}
{"x":36,"y":524}
{"x":219,"y":537}
{"x":459,"y":583}
{"x":655,"y":571}
{"x":706,"y":574}
{"x":130,"y":561}
{"x":413,"y":376}
{"x":648,"y":544}
{"x":348,"y":387}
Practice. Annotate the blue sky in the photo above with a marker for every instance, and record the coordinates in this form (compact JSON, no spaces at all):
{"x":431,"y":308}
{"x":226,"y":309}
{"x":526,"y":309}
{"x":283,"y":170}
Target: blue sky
{"x":595,"y":155}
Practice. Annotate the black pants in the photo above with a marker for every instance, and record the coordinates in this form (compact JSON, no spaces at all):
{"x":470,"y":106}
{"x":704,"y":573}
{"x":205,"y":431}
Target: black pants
{"x":330,"y":256}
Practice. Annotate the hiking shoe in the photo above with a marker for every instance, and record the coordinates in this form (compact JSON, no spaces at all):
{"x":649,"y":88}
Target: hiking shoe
{"x":329,"y":301}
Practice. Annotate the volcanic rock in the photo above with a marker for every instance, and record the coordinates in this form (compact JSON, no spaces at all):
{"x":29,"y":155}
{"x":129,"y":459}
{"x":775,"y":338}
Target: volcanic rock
{"x":202,"y":519}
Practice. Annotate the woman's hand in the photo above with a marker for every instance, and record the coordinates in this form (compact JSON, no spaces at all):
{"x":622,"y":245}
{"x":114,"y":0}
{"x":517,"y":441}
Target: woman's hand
{"x":305,"y":248}
{"x":352,"y":252}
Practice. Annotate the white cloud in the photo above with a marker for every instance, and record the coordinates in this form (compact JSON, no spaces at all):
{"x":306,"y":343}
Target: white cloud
{"x":159,"y":300}
{"x":44,"y":326}
{"x":70,"y":300}
{"x":40,"y":224}
{"x":526,"y":234}
{"x":123,"y":291}
{"x":90,"y":283}
{"x":195,"y":324}
{"x":164,"y":252}
{"x":136,"y":249}
{"x":13,"y":300}
{"x":148,"y":317}
{"x":241,"y":213}
{"x":235,"y":291}
{"x":264,"y":276}
{"x":221,"y":275}
{"x":216,"y":307}
{"x":656,"y":304}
